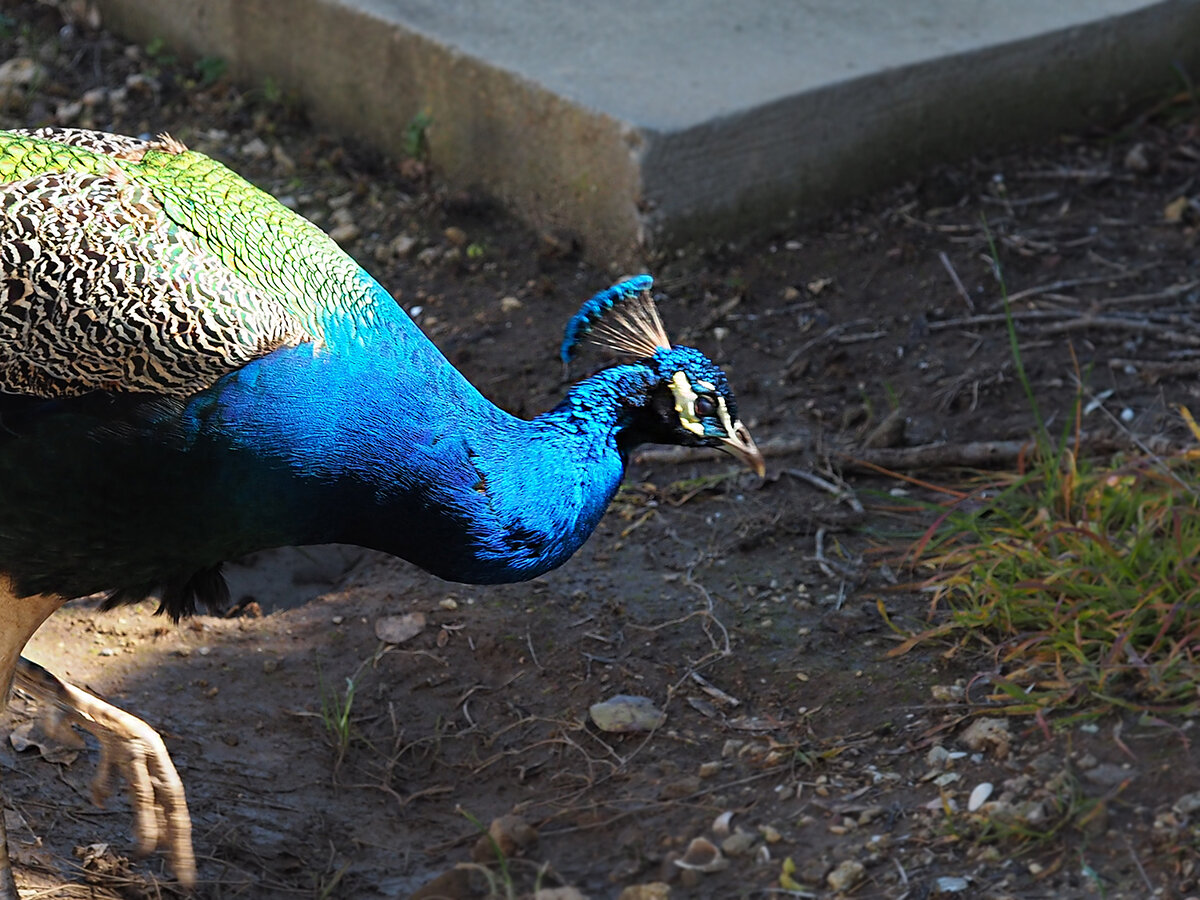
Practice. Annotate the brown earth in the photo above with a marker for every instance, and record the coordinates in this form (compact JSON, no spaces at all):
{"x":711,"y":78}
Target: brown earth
{"x":748,"y":610}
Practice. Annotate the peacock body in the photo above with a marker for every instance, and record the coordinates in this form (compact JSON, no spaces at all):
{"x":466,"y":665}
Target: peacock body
{"x":190,"y":372}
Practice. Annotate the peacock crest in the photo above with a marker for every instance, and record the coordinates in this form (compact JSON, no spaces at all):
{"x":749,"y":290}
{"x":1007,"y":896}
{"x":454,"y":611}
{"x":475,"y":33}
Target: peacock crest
{"x":623,"y":319}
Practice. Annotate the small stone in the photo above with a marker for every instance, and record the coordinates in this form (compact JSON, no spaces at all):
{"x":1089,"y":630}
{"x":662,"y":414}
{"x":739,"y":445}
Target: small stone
{"x":1136,"y":159}
{"x":270,"y":665}
{"x":653,"y":890}
{"x":429,"y":256}
{"x":455,"y":236}
{"x":68,"y":113}
{"x":770,"y":834}
{"x":731,"y":747}
{"x":623,"y":714}
{"x":720,"y":825}
{"x":398,"y":629}
{"x":1109,"y":774}
{"x":559,"y":893}
{"x":947,"y":693}
{"x":709,"y":769}
{"x":108,"y":651}
{"x":988,"y":734}
{"x":677,"y":790}
{"x":1187,"y":804}
{"x":938,"y":757}
{"x":512,"y":835}
{"x":448,"y":603}
{"x":848,"y":873}
{"x":702,"y":855}
{"x":256,"y":148}
{"x":402,"y":246}
{"x":510,"y":304}
{"x":979,"y":796}
{"x":739,"y":843}
{"x":94,"y":97}
{"x":791,"y":293}
{"x":950,"y":884}
{"x":344,"y":233}
{"x":870,"y":814}
{"x":139,"y":82}
{"x":283,"y":162}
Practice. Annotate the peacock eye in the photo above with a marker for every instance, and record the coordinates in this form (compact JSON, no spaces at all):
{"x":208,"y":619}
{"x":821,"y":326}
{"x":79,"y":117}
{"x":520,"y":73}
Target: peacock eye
{"x":705,"y":406}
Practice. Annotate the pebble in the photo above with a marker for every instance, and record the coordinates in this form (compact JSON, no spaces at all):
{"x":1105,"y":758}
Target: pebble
{"x":848,"y":873}
{"x":653,"y":890}
{"x":1109,"y":774}
{"x":702,"y":855}
{"x":402,"y":246}
{"x":623,"y":714}
{"x":1136,"y":160}
{"x":510,"y":304}
{"x":677,"y":790}
{"x":938,"y":757}
{"x":979,"y":796}
{"x":139,"y":82}
{"x":398,"y":629}
{"x":108,"y":651}
{"x":770,"y":834}
{"x":512,"y":835}
{"x":344,"y":233}
{"x":988,"y":734}
{"x":270,"y":665}
{"x":286,"y":164}
{"x":448,"y":603}
{"x":709,"y":769}
{"x":739,"y":843}
{"x":1187,"y":804}
{"x":256,"y":148}
{"x":455,"y":236}
{"x":720,"y":825}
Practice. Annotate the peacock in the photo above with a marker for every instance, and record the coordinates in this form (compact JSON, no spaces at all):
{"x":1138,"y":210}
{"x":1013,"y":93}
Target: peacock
{"x":190,"y":372}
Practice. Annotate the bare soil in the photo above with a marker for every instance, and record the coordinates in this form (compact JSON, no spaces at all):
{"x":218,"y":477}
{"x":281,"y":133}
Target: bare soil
{"x":748,"y":610}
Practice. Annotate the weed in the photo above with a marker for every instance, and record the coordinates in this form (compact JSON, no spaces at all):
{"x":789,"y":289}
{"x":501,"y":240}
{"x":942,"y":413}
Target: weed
{"x":210,"y":69}
{"x":504,"y":878}
{"x":335,"y":715}
{"x":416,"y":136}
{"x":1081,"y":579}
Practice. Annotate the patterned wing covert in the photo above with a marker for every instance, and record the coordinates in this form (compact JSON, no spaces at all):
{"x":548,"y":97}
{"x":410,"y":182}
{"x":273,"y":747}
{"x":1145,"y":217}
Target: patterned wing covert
{"x":101,"y":290}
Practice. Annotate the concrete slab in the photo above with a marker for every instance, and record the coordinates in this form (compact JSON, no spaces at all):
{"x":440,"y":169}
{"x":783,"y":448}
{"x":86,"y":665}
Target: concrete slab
{"x":638,"y":124}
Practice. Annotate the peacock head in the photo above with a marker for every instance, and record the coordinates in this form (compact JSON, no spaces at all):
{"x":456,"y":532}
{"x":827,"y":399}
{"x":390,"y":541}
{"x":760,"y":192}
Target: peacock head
{"x":691,"y":402}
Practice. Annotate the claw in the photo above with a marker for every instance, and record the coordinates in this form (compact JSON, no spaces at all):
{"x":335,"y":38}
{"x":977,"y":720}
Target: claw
{"x":128,"y":745}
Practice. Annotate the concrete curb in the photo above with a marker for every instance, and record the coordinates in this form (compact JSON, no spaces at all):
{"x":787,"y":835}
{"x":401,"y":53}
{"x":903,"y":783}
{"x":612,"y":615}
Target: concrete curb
{"x":626,"y":171}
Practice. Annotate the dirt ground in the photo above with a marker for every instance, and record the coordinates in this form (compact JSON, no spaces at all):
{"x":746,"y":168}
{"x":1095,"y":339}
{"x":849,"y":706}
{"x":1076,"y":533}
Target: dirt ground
{"x":747,"y":610}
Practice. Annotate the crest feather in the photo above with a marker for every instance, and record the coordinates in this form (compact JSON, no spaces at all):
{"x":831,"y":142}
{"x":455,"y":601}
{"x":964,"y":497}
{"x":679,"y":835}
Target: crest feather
{"x":623,"y":319}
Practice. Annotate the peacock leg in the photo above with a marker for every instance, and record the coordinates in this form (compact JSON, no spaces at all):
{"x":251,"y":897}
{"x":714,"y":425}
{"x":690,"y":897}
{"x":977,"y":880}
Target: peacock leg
{"x":127,"y":744}
{"x":8,"y":887}
{"x":20,"y":617}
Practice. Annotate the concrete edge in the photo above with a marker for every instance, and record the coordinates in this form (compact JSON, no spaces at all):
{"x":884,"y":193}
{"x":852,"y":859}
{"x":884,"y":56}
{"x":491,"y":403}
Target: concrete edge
{"x":908,"y":118}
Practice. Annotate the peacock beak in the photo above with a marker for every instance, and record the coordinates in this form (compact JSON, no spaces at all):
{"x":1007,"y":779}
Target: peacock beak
{"x":739,"y":444}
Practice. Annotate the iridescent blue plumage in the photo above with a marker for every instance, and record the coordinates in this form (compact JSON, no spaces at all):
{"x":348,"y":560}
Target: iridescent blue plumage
{"x":174,"y":394}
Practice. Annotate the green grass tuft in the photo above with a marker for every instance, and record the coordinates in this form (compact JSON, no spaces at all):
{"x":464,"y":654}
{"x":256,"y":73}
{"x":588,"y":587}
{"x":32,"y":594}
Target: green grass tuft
{"x":1082,"y":580}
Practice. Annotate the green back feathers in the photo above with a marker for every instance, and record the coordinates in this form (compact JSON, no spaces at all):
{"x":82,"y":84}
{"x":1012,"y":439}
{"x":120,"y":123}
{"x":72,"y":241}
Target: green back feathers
{"x":156,"y":267}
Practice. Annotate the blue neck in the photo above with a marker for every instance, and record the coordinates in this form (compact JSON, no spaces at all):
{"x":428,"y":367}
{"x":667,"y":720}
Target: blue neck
{"x":346,"y":450}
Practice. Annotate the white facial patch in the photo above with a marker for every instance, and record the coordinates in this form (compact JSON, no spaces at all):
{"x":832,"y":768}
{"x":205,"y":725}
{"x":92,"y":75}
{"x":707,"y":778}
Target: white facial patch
{"x":685,"y":403}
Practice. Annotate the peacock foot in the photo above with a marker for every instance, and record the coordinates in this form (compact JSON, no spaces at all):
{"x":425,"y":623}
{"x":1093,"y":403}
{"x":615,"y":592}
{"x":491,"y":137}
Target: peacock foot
{"x":135,"y":750}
